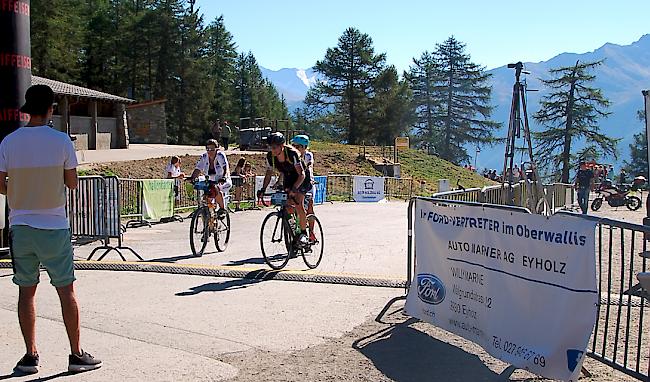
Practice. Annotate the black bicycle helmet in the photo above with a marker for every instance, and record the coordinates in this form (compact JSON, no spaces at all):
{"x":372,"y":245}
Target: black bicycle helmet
{"x":275,"y":139}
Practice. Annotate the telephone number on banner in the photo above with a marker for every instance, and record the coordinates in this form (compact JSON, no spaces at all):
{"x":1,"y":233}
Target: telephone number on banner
{"x":518,"y":351}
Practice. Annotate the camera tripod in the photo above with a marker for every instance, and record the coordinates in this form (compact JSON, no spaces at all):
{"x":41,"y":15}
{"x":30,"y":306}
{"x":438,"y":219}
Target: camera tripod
{"x":533,"y":191}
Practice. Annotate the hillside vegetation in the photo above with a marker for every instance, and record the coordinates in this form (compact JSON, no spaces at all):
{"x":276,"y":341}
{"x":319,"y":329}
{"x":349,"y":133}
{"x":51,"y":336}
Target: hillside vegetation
{"x":331,"y":158}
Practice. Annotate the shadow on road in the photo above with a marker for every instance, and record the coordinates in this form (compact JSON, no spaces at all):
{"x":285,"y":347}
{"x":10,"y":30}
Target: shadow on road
{"x":405,"y":354}
{"x":218,"y":287}
{"x":252,"y":260}
{"x":16,"y":374}
{"x":174,"y":258}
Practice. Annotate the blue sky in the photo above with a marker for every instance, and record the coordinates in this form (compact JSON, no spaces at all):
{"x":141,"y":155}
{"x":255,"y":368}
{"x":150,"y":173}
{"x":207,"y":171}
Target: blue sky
{"x":289,"y":33}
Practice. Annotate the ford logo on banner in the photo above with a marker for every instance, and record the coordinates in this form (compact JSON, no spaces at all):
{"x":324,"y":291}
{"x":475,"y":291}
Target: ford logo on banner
{"x":430,"y":289}
{"x":573,"y":358}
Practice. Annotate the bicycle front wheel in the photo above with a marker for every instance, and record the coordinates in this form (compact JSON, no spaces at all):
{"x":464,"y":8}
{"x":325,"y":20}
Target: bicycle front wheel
{"x":313,"y":253}
{"x":199,"y":231}
{"x":272,"y":240}
{"x":222,"y":233}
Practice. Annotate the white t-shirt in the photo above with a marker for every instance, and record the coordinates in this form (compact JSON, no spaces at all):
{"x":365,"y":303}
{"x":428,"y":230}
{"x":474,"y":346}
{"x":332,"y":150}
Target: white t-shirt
{"x":309,"y":162}
{"x":220,"y":166}
{"x":34,"y":159}
{"x":175,"y":171}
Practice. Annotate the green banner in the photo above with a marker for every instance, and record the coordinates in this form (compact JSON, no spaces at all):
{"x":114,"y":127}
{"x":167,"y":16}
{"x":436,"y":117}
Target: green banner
{"x":157,"y":199}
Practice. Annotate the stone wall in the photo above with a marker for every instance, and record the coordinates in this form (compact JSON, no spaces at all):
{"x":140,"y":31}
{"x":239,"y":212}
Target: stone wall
{"x":146,"y":122}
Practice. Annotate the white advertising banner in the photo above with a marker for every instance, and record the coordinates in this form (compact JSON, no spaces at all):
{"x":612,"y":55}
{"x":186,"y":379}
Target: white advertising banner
{"x":522,"y":286}
{"x":368,"y":188}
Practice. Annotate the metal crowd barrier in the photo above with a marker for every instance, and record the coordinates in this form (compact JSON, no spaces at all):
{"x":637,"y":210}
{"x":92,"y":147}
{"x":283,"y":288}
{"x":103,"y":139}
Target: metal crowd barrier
{"x":398,"y":188}
{"x":339,"y":188}
{"x":559,"y":196}
{"x":94,"y":210}
{"x":131,"y":198}
{"x":467,"y":195}
{"x":621,"y":337}
{"x":244,"y":192}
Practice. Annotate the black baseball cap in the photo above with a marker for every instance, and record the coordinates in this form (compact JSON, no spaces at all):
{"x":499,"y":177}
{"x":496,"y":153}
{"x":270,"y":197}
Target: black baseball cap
{"x":38,"y":98}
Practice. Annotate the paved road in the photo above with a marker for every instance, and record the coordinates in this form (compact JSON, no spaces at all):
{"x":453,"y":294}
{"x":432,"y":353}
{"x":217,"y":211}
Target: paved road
{"x":172,"y":328}
{"x":175,"y":327}
{"x":144,"y":151}
{"x":367,"y":239}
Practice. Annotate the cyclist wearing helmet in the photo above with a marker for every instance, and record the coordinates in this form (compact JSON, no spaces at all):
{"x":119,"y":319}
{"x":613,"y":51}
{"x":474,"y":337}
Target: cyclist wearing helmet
{"x":214,"y":165}
{"x":301,"y":143}
{"x":296,"y":180}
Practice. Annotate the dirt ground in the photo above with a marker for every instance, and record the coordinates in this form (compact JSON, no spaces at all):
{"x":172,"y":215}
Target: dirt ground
{"x":328,"y":163}
{"x":396,"y":349}
{"x":402,"y":349}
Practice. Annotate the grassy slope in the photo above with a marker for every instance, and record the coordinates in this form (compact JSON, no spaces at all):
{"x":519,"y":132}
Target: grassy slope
{"x":420,"y":166}
{"x":331,"y":158}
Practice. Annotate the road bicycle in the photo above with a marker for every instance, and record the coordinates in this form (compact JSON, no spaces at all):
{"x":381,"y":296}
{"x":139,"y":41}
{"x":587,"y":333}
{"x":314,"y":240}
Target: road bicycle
{"x":205,"y":222}
{"x":280,"y":234}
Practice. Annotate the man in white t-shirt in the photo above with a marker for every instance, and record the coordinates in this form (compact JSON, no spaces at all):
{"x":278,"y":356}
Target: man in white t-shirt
{"x":36,"y":164}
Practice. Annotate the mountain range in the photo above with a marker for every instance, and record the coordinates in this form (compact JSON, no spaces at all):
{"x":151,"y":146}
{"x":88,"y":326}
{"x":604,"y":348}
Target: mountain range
{"x":624,"y":73}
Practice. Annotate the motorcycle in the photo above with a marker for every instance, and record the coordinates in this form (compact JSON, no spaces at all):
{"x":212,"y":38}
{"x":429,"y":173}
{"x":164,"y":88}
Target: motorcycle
{"x":615,"y":197}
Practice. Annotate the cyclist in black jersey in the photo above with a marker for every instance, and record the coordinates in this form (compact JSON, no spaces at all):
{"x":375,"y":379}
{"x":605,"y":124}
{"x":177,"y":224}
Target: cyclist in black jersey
{"x":296,"y":180}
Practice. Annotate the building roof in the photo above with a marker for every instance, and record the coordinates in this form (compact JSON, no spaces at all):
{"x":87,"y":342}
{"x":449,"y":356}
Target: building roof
{"x":63,"y":88}
{"x":147,"y":103}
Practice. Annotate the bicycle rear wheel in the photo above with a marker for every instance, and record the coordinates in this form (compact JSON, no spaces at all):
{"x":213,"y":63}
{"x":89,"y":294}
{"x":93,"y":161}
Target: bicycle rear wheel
{"x":273,"y":237}
{"x":222,"y":233}
{"x":313,"y":254}
{"x":199,"y":231}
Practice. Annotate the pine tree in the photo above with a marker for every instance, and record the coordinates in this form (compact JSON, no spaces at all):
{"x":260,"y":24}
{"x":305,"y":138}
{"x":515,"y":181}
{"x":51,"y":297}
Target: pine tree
{"x":344,"y":98}
{"x":221,"y":56}
{"x":452,"y":99}
{"x":392,"y":111}
{"x":98,"y":52}
{"x":638,"y":164}
{"x":422,"y":78}
{"x":570,"y":113}
{"x":256,"y":96}
{"x":193,"y":95}
{"x":57,"y":36}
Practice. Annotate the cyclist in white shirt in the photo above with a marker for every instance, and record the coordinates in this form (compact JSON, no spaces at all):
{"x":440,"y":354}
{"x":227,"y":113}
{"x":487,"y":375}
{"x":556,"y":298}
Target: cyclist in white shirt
{"x":214,"y":165}
{"x":301,"y":143}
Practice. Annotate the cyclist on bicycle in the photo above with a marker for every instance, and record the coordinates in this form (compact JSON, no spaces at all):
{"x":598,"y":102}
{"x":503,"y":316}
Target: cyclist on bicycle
{"x":214,"y":165}
{"x":296,"y":180}
{"x":301,"y":143}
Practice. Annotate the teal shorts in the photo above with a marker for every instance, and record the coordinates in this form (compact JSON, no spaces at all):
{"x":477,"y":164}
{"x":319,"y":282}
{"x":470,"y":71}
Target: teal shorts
{"x":31,"y":247}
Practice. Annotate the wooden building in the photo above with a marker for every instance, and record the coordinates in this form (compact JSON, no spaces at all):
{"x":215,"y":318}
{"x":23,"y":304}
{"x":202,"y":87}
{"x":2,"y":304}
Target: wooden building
{"x":98,"y":120}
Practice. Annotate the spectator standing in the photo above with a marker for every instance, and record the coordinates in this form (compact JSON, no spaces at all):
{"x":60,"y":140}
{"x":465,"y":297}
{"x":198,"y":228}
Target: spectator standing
{"x":225,"y":135}
{"x":583,"y":183}
{"x":173,"y":171}
{"x":622,"y":177}
{"x":249,"y":182}
{"x":238,"y":181}
{"x":216,"y":130}
{"x":40,"y":163}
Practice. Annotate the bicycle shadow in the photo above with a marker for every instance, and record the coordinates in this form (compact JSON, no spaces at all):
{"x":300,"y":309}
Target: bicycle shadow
{"x":221,"y":286}
{"x":251,"y":260}
{"x":176,"y":258}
